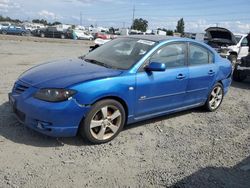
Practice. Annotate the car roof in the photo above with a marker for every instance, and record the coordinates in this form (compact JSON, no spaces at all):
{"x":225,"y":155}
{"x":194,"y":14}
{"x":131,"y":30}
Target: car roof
{"x":155,"y":38}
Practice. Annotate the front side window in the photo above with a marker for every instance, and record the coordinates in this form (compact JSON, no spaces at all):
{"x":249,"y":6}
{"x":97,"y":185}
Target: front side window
{"x":244,"y":42}
{"x":172,"y":55}
{"x":199,"y":55}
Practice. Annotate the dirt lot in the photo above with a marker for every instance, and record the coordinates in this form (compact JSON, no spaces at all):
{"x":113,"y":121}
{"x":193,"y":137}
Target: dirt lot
{"x":189,"y":149}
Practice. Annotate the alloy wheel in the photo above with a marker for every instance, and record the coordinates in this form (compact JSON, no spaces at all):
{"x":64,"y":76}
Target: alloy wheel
{"x":216,"y":97}
{"x":106,"y":122}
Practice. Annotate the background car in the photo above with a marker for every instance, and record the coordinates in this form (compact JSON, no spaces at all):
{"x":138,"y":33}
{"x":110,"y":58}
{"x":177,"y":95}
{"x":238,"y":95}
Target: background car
{"x":236,"y":52}
{"x":126,"y":80}
{"x":53,"y":32}
{"x":80,"y":34}
{"x":14,"y":30}
{"x":226,"y":43}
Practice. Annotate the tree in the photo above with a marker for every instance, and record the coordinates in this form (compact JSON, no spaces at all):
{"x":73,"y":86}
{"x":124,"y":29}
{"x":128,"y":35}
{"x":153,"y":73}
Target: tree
{"x":56,"y":23}
{"x":42,"y":21}
{"x":8,"y":19}
{"x":180,"y":26}
{"x":140,"y":24}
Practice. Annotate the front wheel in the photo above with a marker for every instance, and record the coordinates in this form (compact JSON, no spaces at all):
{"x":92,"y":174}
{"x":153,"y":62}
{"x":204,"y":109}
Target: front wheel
{"x":215,"y":98}
{"x":104,"y":121}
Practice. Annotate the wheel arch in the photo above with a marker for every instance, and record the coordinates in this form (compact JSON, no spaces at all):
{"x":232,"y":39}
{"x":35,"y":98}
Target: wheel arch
{"x":233,"y":53}
{"x":116,"y":98}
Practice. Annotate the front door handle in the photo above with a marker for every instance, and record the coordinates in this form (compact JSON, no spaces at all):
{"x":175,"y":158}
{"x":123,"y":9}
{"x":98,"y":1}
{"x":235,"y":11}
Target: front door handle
{"x":180,"y":76}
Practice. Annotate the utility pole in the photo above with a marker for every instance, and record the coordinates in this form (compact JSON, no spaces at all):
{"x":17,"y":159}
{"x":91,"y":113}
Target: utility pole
{"x":133,"y":18}
{"x":81,"y":18}
{"x":217,"y":24}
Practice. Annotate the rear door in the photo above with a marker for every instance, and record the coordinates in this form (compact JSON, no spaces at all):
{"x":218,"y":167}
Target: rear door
{"x":202,"y":71}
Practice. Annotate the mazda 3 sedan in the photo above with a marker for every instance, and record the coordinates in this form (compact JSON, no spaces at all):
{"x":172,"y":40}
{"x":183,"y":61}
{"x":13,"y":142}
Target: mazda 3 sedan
{"x":127,"y":80}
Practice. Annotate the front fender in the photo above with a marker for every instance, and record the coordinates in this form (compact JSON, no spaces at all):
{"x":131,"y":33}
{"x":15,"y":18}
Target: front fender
{"x":122,"y":87}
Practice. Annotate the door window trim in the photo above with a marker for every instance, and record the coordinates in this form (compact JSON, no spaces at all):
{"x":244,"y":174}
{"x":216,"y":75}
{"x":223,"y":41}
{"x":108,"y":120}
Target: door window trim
{"x":200,"y":46}
{"x":141,"y":69}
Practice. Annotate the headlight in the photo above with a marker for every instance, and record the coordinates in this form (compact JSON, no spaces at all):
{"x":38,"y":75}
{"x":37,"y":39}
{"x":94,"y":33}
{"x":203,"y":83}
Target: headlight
{"x":54,"y":95}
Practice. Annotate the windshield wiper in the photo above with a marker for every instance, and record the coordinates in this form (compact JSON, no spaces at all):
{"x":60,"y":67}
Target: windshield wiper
{"x":99,"y":63}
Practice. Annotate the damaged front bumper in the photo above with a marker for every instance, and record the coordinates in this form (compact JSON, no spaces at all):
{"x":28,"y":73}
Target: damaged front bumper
{"x":53,"y":119}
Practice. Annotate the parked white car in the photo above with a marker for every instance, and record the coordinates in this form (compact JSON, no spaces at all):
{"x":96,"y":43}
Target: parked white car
{"x":80,"y":34}
{"x":236,"y":52}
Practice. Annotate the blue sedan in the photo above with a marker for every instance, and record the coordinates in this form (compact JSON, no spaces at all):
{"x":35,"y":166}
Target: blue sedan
{"x":127,"y":80}
{"x":14,"y":30}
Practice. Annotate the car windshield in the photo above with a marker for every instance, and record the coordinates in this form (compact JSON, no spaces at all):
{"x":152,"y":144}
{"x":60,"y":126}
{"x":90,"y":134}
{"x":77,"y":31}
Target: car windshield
{"x":121,"y":53}
{"x":238,"y":37}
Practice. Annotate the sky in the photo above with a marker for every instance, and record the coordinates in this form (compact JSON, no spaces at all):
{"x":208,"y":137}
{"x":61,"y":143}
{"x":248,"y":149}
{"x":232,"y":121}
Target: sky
{"x":198,"y":14}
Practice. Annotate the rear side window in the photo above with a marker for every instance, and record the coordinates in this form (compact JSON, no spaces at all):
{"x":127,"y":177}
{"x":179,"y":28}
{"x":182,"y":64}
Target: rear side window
{"x":199,"y":55}
{"x":172,"y":55}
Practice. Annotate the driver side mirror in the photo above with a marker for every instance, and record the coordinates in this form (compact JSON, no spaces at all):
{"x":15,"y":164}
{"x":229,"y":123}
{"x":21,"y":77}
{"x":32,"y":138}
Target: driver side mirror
{"x":155,"y":66}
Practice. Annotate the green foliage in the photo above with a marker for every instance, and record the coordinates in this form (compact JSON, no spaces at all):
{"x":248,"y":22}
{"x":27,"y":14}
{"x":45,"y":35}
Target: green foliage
{"x":56,"y":23}
{"x":180,"y":26}
{"x":42,"y":21}
{"x":140,"y":25}
{"x":8,"y":19}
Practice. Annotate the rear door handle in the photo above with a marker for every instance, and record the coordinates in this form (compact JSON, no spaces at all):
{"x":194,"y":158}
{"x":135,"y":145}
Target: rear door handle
{"x":211,"y":72}
{"x":180,"y":76}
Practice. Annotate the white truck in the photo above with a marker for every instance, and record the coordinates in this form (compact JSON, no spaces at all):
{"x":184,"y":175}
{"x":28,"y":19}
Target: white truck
{"x":227,"y":44}
{"x":236,"y":52}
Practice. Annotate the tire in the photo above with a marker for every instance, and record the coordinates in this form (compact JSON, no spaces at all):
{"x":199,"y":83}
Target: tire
{"x":4,"y":32}
{"x":103,"y":122}
{"x":215,"y":98}
{"x":238,"y":75}
{"x":22,"y":34}
{"x":42,"y":35}
{"x":233,"y":59}
{"x":62,"y":36}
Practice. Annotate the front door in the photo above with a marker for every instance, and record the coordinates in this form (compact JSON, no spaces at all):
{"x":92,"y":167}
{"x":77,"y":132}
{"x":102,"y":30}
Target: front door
{"x":243,"y":48}
{"x":159,"y":92}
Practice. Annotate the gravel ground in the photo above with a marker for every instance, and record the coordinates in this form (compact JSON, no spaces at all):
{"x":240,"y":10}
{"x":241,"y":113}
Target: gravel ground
{"x":188,"y":149}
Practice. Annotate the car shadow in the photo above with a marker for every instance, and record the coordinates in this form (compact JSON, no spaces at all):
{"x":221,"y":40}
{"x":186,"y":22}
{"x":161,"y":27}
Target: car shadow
{"x":236,"y":176}
{"x":12,"y":130}
{"x":242,"y":85}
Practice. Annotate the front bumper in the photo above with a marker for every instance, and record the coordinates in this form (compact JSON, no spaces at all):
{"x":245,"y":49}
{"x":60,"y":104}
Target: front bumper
{"x":53,"y":119}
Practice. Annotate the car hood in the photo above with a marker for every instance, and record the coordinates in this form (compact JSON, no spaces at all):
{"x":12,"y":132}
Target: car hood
{"x":220,"y":35}
{"x":64,"y":73}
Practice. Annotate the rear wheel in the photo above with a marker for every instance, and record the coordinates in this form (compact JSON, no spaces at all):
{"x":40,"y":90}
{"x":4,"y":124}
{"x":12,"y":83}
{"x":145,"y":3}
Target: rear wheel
{"x":215,"y":98}
{"x":62,"y":36}
{"x":4,"y":32}
{"x":104,"y":121}
{"x":42,"y":35}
